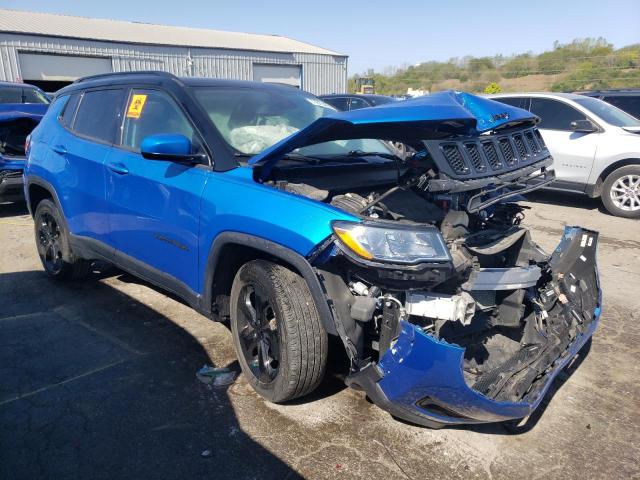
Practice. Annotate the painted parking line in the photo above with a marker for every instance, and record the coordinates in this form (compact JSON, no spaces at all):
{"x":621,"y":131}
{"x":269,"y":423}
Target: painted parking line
{"x":63,"y":382}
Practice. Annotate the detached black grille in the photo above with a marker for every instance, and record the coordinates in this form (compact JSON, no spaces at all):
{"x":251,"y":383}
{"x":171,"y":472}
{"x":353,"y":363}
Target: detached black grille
{"x":475,"y":157}
{"x":488,"y":155}
{"x":492,"y":155}
{"x":456,"y":160}
{"x":507,"y":151}
{"x":522,"y":150}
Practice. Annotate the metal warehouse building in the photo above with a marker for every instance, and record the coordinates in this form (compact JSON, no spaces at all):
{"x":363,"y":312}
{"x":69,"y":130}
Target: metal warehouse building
{"x":51,"y":51}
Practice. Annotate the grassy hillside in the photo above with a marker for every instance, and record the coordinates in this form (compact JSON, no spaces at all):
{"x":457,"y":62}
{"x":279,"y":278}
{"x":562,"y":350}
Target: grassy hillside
{"x":582,"y":64}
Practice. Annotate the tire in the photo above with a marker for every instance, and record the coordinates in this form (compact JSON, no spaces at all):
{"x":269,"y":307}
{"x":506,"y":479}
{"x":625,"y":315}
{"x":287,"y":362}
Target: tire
{"x":52,"y":240}
{"x":277,"y":333}
{"x":621,"y":182}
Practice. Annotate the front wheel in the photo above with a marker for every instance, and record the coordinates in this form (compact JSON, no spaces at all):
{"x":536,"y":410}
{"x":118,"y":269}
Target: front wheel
{"x":279,"y":339}
{"x":621,"y":192}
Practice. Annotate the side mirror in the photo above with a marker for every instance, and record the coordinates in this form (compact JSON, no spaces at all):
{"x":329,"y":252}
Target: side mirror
{"x":583,"y":126}
{"x":169,"y":146}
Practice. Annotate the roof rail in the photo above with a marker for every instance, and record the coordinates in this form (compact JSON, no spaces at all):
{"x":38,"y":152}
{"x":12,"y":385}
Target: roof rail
{"x":118,"y":74}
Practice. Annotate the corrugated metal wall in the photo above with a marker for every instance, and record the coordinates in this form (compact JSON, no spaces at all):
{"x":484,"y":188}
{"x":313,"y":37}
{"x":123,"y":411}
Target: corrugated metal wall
{"x":320,"y":73}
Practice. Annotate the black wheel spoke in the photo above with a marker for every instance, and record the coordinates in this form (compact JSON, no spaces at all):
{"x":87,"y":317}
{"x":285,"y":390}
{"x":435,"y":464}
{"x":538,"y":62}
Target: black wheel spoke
{"x":258,"y":333}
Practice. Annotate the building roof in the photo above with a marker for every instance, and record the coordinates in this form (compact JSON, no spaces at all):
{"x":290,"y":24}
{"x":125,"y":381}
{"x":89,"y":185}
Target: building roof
{"x":49,"y":24}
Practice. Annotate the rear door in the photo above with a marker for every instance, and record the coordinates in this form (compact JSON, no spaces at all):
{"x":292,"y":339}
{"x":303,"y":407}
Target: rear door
{"x":78,"y":155}
{"x":154,"y":205}
{"x":573,"y":152}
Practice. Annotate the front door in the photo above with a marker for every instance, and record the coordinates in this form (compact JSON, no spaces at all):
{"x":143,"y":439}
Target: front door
{"x":573,"y":152}
{"x":155,"y":204}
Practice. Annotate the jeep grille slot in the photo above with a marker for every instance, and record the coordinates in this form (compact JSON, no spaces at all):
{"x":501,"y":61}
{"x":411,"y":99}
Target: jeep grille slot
{"x":492,"y":156}
{"x":540,"y":139}
{"x":475,"y":157}
{"x":507,"y":151}
{"x":533,"y":146}
{"x":455,"y":159}
{"x":522,"y":149}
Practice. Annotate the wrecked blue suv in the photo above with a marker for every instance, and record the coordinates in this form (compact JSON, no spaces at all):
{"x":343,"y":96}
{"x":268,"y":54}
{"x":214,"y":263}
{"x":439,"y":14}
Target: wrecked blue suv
{"x":263,"y":207}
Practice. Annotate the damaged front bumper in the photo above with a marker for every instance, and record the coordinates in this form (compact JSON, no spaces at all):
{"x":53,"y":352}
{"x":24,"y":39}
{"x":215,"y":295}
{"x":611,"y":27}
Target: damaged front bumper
{"x":420,"y":378}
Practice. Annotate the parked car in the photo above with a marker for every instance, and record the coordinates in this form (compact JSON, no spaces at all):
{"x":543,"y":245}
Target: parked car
{"x":348,"y":101}
{"x":21,"y":108}
{"x":596,"y":146}
{"x":265,"y":208}
{"x":625,"y":99}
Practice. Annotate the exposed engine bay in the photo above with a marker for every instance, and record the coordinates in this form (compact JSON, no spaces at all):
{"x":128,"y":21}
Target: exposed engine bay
{"x":13,"y":135}
{"x":493,"y":292}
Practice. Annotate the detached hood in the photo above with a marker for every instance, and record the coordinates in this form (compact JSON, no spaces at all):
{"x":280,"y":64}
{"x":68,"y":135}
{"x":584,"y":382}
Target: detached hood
{"x":14,"y":111}
{"x":430,"y":117}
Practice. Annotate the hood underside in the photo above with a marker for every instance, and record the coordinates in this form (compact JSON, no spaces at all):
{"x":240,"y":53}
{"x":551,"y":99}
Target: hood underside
{"x":436,"y":116}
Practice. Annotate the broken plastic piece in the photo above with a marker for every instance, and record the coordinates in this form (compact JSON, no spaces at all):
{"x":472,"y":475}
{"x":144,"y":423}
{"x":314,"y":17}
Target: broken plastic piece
{"x":503,"y":278}
{"x":218,"y":377}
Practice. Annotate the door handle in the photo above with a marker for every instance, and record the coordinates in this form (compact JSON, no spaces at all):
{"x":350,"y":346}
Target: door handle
{"x":118,"y":168}
{"x":61,"y":149}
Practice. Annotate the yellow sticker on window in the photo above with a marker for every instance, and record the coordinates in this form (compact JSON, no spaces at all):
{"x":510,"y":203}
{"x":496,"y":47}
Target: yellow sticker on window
{"x":136,"y":105}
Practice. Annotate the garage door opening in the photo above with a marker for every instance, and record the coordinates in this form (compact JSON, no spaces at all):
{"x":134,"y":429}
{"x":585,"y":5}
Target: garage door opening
{"x":284,"y":74}
{"x":52,"y":72}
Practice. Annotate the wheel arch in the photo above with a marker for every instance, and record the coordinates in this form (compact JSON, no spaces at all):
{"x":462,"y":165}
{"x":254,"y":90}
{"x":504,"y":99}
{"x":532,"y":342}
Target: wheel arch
{"x":231,"y":250}
{"x":595,"y":190}
{"x":38,"y":190}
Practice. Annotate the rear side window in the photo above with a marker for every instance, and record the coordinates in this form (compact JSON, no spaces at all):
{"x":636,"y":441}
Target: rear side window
{"x":150,"y":112}
{"x":628,"y":103}
{"x":341,"y":103}
{"x":31,"y":95}
{"x":99,"y":114}
{"x":555,"y":115}
{"x":10,"y":95}
{"x":69,"y":112}
{"x":358,"y":103}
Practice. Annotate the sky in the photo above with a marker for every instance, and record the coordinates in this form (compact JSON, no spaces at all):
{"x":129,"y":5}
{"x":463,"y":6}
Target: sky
{"x":376,"y":34}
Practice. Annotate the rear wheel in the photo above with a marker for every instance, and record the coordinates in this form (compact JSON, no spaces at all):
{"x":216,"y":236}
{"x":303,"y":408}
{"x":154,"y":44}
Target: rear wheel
{"x":279,"y":339}
{"x":52,"y":240}
{"x":621,"y":192}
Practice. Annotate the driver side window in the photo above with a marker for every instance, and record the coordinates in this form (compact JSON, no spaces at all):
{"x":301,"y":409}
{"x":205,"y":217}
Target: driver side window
{"x":150,"y":112}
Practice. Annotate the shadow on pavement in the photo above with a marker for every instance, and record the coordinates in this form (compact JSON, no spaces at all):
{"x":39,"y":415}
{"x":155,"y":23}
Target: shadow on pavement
{"x":13,"y":209}
{"x":566,"y":199}
{"x":95,"y":384}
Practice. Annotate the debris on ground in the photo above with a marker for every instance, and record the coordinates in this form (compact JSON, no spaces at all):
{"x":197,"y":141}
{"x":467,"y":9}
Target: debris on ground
{"x":218,"y":377}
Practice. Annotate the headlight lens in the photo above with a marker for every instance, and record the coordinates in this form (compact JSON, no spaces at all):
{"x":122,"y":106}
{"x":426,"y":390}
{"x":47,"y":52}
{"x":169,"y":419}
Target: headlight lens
{"x":391,"y":243}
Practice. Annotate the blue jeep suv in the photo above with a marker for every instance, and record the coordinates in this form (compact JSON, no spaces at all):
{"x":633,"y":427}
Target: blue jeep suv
{"x":263,"y":207}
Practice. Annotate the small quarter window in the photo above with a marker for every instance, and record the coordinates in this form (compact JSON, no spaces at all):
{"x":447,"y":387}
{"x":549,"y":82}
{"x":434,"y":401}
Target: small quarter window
{"x":69,"y":111}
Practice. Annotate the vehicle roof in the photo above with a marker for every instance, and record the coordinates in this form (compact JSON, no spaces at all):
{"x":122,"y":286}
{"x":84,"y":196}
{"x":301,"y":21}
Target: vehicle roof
{"x":363,"y":95}
{"x":613,"y":91}
{"x":17,"y":85}
{"x":164,"y":78}
{"x":568,"y":96}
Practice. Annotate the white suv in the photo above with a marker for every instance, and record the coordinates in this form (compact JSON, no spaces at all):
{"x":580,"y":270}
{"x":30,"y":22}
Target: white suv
{"x":595,"y":146}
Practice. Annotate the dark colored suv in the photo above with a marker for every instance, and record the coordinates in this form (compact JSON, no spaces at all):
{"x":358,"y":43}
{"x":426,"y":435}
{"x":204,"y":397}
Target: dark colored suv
{"x":264,"y":208}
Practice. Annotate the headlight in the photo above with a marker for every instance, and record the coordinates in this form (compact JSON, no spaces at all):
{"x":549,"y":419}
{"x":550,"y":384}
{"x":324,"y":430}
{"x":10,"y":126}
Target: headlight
{"x":392,"y":243}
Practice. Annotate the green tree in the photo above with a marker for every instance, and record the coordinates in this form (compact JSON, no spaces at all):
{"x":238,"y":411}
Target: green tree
{"x":493,"y":87}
